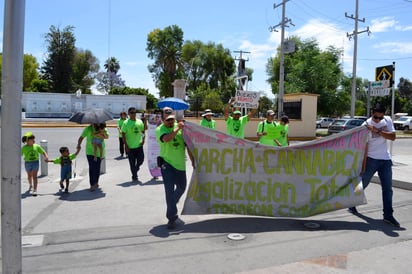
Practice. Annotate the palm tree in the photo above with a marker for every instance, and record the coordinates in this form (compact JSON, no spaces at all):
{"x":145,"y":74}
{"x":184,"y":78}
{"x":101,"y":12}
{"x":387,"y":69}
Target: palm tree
{"x":112,"y":65}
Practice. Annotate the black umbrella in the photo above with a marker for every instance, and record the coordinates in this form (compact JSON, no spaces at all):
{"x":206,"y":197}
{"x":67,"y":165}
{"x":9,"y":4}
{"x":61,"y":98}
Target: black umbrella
{"x":91,"y":116}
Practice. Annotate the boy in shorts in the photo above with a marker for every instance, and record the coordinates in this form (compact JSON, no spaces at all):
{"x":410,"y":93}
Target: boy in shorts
{"x":65,"y":161}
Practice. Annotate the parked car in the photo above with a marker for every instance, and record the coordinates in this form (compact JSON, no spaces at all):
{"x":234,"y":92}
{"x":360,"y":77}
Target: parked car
{"x":403,"y":123}
{"x":323,"y":122}
{"x":340,"y":125}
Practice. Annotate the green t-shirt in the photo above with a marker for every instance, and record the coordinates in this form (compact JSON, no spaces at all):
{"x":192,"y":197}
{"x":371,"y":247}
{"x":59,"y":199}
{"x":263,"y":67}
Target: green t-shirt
{"x":173,"y":152}
{"x":209,"y":124}
{"x":88,"y":134}
{"x":31,"y":153}
{"x":236,"y":127}
{"x":283,"y":139}
{"x":134,"y":132}
{"x":272,"y":132}
{"x":119,"y":125}
{"x":61,"y":158}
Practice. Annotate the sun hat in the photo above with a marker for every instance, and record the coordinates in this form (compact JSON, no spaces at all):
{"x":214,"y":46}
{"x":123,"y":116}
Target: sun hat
{"x":207,"y":112}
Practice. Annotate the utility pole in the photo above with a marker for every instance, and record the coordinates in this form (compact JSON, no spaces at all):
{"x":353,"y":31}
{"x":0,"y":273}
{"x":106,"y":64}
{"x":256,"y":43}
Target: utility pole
{"x":354,"y":34}
{"x":241,"y":69}
{"x":282,"y":24}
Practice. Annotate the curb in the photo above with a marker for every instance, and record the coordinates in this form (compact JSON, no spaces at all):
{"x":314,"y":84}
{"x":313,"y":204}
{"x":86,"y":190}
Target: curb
{"x":395,"y":183}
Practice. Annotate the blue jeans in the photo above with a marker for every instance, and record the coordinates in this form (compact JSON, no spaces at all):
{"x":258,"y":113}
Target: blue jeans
{"x":171,"y":178}
{"x":384,"y":169}
{"x":94,"y":169}
{"x":136,"y":158}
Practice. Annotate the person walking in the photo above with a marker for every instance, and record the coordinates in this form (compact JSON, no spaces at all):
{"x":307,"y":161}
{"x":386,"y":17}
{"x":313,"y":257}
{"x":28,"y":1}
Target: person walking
{"x":378,"y":159}
{"x":207,"y":120}
{"x":133,"y":132}
{"x":65,"y":162}
{"x":30,"y":152}
{"x":94,"y":166}
{"x":122,"y":119}
{"x":282,"y":139}
{"x":172,"y":160}
{"x":235,"y":125}
{"x":267,"y":129}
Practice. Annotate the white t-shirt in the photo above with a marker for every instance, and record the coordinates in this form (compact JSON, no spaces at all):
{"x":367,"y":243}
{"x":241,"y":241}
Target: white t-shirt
{"x":378,"y":146}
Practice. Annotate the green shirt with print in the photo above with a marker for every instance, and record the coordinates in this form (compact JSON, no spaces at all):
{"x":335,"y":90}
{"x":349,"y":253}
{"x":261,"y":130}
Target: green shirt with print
{"x":272,"y":132}
{"x":236,"y":128}
{"x":31,"y":153}
{"x":88,"y":134}
{"x":120,"y":123}
{"x":209,"y":124}
{"x":283,"y":138}
{"x":61,"y":159}
{"x":134,"y":132}
{"x":173,"y":152}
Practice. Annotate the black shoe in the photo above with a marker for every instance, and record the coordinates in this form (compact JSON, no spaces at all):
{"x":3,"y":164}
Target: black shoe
{"x":61,"y":186}
{"x":171,"y":224}
{"x":66,"y":190}
{"x":134,"y":178}
{"x":392,"y":221}
{"x":353,"y":210}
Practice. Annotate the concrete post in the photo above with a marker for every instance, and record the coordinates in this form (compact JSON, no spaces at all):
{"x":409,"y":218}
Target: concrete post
{"x":103,"y":166}
{"x":179,"y":91}
{"x":44,"y":167}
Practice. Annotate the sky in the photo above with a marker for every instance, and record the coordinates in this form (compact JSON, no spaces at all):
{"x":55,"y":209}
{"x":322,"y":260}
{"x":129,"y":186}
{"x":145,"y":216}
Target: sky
{"x":119,"y":28}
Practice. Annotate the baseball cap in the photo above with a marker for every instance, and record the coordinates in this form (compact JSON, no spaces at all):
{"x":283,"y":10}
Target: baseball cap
{"x":270,"y":112}
{"x":237,"y":112}
{"x":170,"y":117}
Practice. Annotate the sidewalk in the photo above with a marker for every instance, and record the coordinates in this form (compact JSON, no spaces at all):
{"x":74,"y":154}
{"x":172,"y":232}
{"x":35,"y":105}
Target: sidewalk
{"x":121,"y":228}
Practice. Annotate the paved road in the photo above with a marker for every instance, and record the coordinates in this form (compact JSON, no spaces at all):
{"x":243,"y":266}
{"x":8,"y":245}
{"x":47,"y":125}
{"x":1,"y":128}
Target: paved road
{"x":121,"y":228}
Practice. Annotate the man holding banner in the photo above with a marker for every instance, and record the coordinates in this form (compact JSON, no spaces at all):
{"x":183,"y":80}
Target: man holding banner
{"x":172,"y":161}
{"x":379,"y":159}
{"x":235,"y":125}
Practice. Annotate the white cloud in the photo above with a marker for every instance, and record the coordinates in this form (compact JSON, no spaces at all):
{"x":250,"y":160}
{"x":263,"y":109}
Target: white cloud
{"x":395,"y":47}
{"x":382,"y":24}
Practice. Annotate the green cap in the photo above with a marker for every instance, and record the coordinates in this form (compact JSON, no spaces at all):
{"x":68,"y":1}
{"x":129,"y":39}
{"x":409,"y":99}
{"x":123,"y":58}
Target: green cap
{"x":237,"y":112}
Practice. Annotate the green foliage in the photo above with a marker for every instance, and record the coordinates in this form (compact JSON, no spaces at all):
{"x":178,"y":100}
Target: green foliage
{"x":405,"y":88}
{"x":39,"y":85}
{"x":30,"y":72}
{"x":308,"y":70}
{"x":85,"y":67}
{"x":164,"y":48}
{"x":151,"y":101}
{"x":57,"y":69}
{"x":264,"y":105}
{"x":212,"y":101}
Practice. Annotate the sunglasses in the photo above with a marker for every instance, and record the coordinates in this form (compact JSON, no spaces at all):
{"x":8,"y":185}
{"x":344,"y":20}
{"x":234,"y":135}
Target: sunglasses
{"x":377,"y":118}
{"x":132,"y":112}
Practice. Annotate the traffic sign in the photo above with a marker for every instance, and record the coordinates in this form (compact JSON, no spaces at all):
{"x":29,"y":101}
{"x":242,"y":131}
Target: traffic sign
{"x":380,"y":88}
{"x":384,"y":73}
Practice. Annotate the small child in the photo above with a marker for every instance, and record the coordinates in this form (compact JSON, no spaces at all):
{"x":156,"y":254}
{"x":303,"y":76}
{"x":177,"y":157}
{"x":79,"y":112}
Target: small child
{"x":65,"y":161}
{"x":31,"y":152}
{"x":99,"y":135}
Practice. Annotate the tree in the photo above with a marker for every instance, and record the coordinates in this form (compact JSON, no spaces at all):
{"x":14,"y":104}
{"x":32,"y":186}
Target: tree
{"x":85,"y":67}
{"x":164,"y":48}
{"x":110,"y":79}
{"x":405,"y":88}
{"x":57,"y":69}
{"x":151,"y":101}
{"x":264,"y":105}
{"x":30,"y":72}
{"x":308,"y":69}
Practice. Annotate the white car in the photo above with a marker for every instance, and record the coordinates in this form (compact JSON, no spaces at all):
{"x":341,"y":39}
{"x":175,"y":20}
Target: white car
{"x":403,"y":123}
{"x":324,"y":122}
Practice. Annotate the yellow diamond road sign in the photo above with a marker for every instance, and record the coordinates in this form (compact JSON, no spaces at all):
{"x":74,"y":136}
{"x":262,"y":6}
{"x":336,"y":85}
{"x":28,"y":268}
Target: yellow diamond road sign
{"x":384,"y":73}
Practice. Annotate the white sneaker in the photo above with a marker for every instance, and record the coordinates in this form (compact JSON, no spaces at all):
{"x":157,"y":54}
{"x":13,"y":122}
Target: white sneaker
{"x":34,"y":193}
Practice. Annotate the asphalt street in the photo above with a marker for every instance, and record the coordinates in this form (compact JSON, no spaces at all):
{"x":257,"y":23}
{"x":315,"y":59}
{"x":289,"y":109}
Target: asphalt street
{"x":121,"y":228}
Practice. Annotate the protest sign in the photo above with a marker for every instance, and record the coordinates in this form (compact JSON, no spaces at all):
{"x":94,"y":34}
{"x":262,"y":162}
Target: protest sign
{"x":246,"y":99}
{"x":237,"y":176}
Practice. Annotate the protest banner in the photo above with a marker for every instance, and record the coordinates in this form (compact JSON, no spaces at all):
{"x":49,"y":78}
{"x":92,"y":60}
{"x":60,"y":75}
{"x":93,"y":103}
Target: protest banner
{"x":237,"y":176}
{"x":153,"y":148}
